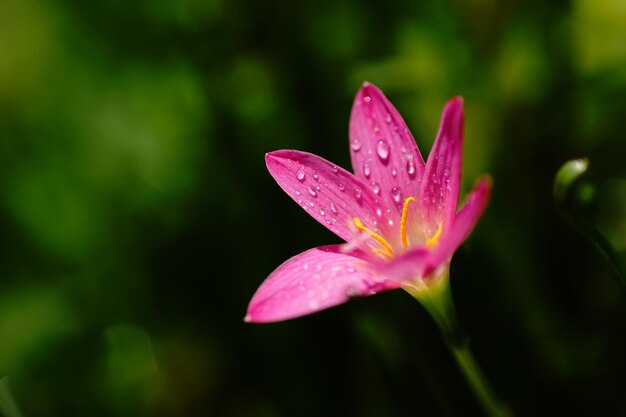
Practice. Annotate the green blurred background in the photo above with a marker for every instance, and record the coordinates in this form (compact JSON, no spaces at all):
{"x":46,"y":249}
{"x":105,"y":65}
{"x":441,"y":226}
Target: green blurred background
{"x":137,"y":217}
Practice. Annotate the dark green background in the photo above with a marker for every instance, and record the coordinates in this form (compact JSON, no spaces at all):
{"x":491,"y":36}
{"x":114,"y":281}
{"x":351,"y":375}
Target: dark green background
{"x":137,"y":217}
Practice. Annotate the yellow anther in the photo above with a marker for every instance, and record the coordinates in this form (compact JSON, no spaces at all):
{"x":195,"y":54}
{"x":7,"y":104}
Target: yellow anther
{"x":405,"y":215}
{"x":376,"y":236}
{"x":435,"y":239}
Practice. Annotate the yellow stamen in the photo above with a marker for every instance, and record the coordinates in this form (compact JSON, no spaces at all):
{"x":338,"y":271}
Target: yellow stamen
{"x":405,"y":215}
{"x":435,"y":239}
{"x":376,"y":236}
{"x":383,"y":252}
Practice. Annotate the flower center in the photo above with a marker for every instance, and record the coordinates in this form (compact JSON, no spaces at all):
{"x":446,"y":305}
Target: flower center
{"x":387,"y":249}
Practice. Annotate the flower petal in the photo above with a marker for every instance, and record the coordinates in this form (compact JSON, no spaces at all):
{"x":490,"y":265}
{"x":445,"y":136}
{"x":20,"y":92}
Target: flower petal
{"x":422,"y":262}
{"x":465,"y":220}
{"x":330,"y":194}
{"x":383,"y":151}
{"x":439,"y":193}
{"x":311,"y":281}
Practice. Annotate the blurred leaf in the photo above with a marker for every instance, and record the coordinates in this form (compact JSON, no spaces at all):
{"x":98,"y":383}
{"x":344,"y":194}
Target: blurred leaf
{"x":8,"y":405}
{"x":132,"y":375}
{"x":31,"y":319}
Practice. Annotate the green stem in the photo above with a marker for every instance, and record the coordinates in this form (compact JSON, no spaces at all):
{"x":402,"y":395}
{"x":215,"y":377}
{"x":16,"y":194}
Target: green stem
{"x":437,"y":299}
{"x":477,"y":381}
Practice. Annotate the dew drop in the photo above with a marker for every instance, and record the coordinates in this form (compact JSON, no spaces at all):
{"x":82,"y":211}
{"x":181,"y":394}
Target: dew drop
{"x":335,"y":169}
{"x":298,"y":193}
{"x":341,"y":186}
{"x":322,"y":212}
{"x":357,"y":193}
{"x":382,"y":149}
{"x":367,"y":99}
{"x":300,"y":175}
{"x":393,"y":171}
{"x":312,"y":204}
{"x":351,"y":269}
{"x":376,"y":187}
{"x":366,"y":170}
{"x":379,"y":212}
{"x":312,"y":192}
{"x":410,"y":167}
{"x":376,"y":128}
{"x":388,"y":118}
{"x":305,"y":266}
{"x":316,"y":177}
{"x":396,"y":194}
{"x":333,"y":208}
{"x":355,"y":144}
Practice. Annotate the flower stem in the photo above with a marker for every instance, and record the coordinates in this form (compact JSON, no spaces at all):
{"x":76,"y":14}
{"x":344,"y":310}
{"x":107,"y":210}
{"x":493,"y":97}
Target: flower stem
{"x":437,"y":299}
{"x":477,"y":381}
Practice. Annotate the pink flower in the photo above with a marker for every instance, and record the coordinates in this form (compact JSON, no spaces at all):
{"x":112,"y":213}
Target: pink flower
{"x":397,"y":214}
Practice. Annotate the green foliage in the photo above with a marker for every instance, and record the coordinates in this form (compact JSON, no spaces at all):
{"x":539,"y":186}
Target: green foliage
{"x":137,"y":217}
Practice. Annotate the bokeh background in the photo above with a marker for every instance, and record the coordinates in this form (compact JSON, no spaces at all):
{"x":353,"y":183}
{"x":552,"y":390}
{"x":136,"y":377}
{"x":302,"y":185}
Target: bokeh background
{"x":137,"y":217}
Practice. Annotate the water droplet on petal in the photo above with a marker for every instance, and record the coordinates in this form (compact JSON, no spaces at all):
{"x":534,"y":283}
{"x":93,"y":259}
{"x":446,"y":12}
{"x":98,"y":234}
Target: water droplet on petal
{"x":357,"y":193}
{"x":322,"y":212}
{"x":410,"y":167}
{"x":333,"y":208}
{"x":335,"y":169}
{"x":351,"y":269}
{"x":366,"y":170}
{"x":376,"y":128}
{"x":305,"y":266}
{"x":379,"y":212}
{"x":396,"y":194}
{"x":312,"y":192}
{"x":316,"y":177}
{"x":355,"y":144}
{"x":393,"y":171}
{"x":300,"y":175}
{"x":382,"y":149}
{"x":376,"y":187}
{"x":367,"y":99}
{"x":388,"y":118}
{"x":341,"y":186}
